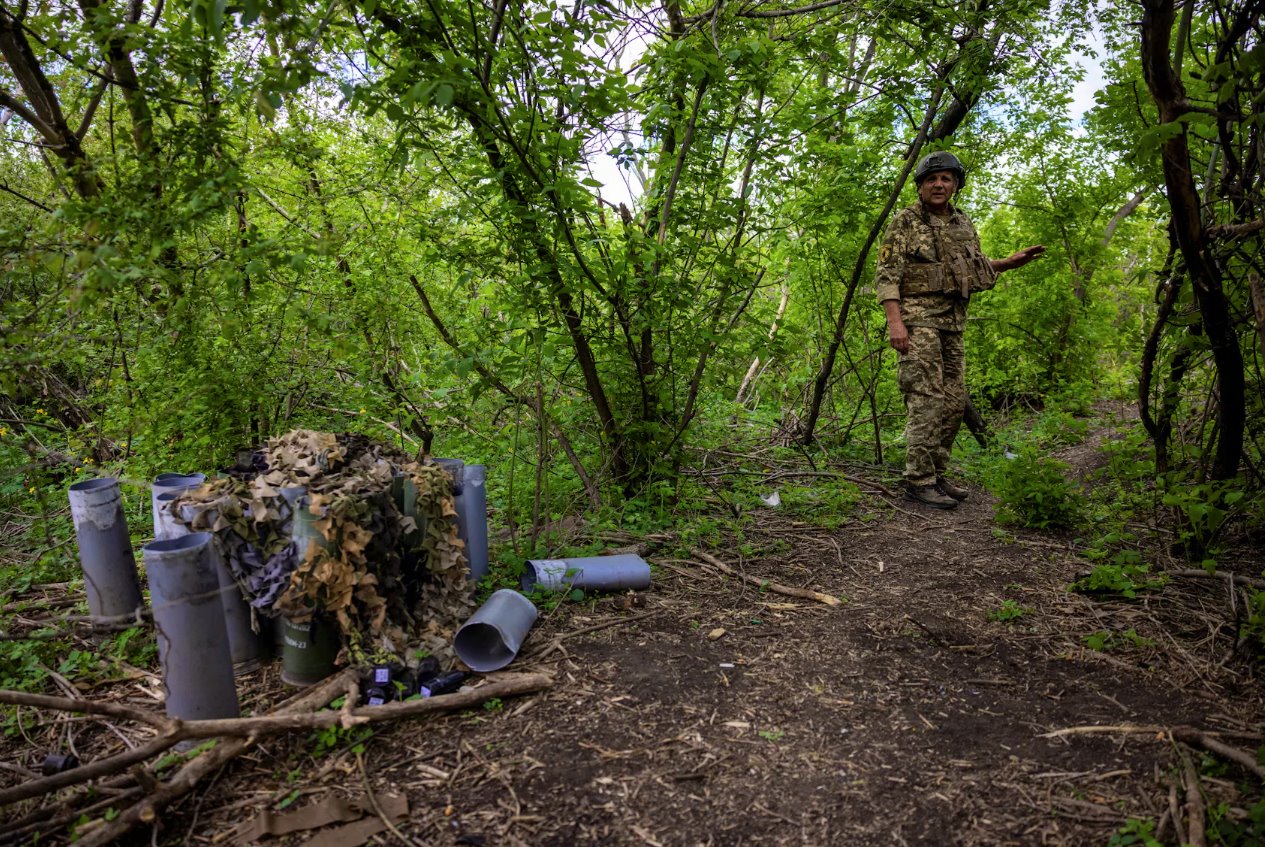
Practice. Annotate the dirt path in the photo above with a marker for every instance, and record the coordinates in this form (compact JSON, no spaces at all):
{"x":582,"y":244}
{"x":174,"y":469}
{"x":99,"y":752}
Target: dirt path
{"x":905,"y":716}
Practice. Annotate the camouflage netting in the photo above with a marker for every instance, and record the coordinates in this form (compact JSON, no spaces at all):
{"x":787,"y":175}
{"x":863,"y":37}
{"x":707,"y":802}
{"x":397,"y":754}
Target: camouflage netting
{"x":342,"y":526}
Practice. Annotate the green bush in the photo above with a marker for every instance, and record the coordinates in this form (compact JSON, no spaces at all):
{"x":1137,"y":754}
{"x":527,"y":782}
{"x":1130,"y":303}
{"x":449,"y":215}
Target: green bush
{"x":1204,"y":510}
{"x":1033,"y":492}
{"x":1118,"y":577}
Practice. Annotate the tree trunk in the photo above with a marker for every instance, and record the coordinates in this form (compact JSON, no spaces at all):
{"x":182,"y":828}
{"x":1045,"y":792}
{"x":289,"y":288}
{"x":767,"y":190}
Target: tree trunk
{"x":1205,"y":274}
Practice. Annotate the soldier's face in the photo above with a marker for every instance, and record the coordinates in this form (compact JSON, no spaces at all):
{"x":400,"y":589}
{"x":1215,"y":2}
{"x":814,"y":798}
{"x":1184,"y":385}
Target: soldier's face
{"x":937,"y":189}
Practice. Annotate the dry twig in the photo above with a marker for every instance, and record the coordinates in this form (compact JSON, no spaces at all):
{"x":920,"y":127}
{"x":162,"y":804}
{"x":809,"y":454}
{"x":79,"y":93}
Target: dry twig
{"x":1196,"y":738}
{"x":1195,"y":823}
{"x":707,"y":559}
{"x":1199,"y":573}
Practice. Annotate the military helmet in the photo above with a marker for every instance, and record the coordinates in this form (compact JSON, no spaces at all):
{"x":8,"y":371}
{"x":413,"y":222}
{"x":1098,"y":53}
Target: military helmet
{"x":940,"y":162}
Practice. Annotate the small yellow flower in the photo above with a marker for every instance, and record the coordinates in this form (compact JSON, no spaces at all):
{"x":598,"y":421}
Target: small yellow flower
{"x":78,"y":469}
{"x":87,"y":460}
{"x":362,"y":411}
{"x":32,"y":489}
{"x":39,"y":411}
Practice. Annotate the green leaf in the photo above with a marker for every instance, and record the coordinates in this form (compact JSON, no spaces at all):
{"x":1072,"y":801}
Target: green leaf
{"x":251,"y":10}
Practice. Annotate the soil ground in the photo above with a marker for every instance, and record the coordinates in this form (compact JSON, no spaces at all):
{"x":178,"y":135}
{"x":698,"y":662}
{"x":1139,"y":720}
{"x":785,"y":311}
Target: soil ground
{"x":908,"y":715}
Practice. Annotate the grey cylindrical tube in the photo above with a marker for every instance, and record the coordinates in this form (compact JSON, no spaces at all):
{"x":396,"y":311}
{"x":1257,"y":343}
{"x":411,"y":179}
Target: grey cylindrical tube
{"x":165,"y":483}
{"x":165,"y":523}
{"x":593,"y":573}
{"x":472,"y":510}
{"x":105,"y":549}
{"x":492,"y":636}
{"x":193,"y":649}
{"x":245,"y":645}
{"x":469,"y":495}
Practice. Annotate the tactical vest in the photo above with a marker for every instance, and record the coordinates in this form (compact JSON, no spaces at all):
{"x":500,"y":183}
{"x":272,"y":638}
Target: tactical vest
{"x":961,"y":269}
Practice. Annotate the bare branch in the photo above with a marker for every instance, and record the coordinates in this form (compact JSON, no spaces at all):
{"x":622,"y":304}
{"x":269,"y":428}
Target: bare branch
{"x":11,"y":103}
{"x":1124,"y":212}
{"x":1227,"y":231}
{"x":5,"y":187}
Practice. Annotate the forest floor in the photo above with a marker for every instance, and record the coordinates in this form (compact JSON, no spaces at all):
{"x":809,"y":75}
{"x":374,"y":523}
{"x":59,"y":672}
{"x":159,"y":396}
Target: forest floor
{"x":952,"y":699}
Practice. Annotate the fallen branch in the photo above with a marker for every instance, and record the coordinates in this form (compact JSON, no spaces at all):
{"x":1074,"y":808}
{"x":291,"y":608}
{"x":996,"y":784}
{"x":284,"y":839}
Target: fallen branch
{"x":92,"y":770}
{"x":1175,"y":813}
{"x":47,"y":821}
{"x":84,"y":706}
{"x":786,"y":590}
{"x":1196,"y":738}
{"x":68,"y":626}
{"x":1196,"y":825}
{"x":377,"y":807}
{"x":506,"y":685}
{"x":1186,"y":734}
{"x":1116,"y":729}
{"x":1198,"y":573}
{"x":169,"y":735}
{"x":509,"y":685}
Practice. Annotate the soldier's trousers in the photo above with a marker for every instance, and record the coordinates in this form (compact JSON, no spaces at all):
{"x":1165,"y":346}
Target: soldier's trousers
{"x":932,"y":378}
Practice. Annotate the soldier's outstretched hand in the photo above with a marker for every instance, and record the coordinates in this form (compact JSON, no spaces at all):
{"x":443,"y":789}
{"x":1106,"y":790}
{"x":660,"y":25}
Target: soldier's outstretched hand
{"x":1026,"y":255}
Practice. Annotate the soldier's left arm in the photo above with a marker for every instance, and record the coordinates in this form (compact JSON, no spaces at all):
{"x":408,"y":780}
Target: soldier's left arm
{"x":1017,"y":259}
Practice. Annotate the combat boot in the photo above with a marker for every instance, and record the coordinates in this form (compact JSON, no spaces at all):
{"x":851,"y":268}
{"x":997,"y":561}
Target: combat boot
{"x":957,"y":492}
{"x":929,"y":495}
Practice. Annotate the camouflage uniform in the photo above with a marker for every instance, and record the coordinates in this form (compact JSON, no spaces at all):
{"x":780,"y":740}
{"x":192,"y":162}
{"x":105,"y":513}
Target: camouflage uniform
{"x":932,"y":265}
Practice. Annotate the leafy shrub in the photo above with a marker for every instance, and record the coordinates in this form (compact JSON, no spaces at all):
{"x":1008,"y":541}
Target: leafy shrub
{"x":1117,"y":578}
{"x":1205,"y":510}
{"x":1120,"y":569}
{"x":1130,"y":455}
{"x":1009,"y":611}
{"x":1135,"y":833}
{"x":1033,"y":492}
{"x":1059,"y":427}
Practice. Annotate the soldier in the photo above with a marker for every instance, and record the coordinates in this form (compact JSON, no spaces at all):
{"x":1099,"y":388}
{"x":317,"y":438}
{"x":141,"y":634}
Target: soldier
{"x":928,"y":267}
